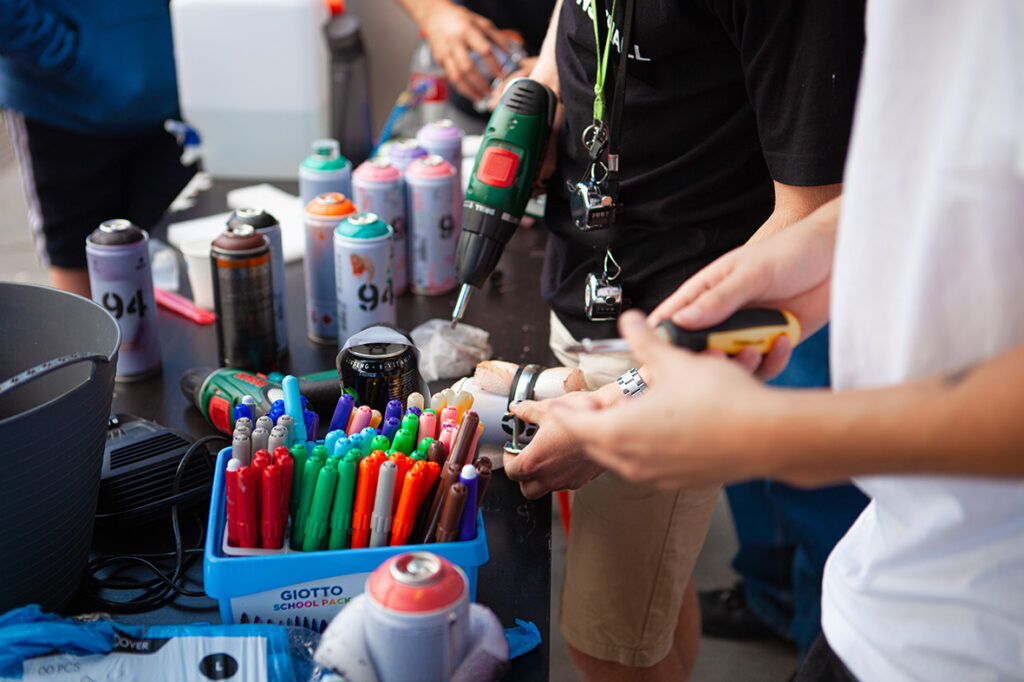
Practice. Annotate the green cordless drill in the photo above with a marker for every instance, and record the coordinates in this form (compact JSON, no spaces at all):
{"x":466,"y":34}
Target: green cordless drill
{"x":500,"y":186}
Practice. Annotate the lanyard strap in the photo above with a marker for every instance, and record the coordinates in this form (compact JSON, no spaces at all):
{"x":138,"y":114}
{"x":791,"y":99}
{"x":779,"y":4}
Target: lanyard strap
{"x":618,"y":103}
{"x":602,"y":60}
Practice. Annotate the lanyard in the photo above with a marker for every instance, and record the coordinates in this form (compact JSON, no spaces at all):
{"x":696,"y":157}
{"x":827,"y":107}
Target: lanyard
{"x":602,"y":60}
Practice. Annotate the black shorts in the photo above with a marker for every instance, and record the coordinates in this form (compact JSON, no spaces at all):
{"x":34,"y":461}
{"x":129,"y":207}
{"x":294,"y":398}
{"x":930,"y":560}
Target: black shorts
{"x":821,"y":664}
{"x":73,"y":182}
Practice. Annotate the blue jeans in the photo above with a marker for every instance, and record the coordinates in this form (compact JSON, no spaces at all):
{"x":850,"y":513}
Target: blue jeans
{"x":786,"y":533}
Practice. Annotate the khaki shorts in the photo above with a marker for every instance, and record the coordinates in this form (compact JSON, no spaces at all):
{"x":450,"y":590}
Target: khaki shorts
{"x":631,"y":549}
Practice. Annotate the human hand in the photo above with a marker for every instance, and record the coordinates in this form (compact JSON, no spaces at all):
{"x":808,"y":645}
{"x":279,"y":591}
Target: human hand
{"x":790,"y":270}
{"x":691,"y":427}
{"x":523,"y":71}
{"x":453,"y":32}
{"x":552,"y":460}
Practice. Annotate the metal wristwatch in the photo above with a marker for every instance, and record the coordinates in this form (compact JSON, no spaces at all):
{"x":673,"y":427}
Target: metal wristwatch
{"x":631,"y":383}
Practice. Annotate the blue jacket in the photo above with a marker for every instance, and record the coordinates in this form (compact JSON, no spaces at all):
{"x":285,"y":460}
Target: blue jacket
{"x":102,"y":67}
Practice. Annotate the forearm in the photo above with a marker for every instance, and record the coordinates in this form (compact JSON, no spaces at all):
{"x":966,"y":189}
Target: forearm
{"x":793,"y":204}
{"x":546,"y":68}
{"x":968,"y":424}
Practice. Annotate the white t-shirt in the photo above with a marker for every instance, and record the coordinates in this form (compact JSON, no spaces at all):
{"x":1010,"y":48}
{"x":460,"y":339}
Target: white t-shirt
{"x":928,"y":584}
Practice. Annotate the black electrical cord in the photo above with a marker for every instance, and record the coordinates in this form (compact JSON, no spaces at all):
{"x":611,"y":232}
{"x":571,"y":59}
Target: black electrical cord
{"x":167,"y":583}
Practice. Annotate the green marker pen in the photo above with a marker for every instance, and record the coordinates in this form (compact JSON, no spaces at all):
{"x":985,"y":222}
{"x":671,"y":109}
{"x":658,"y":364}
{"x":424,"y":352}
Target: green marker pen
{"x":411,"y":423}
{"x":344,"y":493}
{"x":298,"y":466}
{"x":419,"y":455}
{"x":424,"y":444}
{"x":320,"y":507}
{"x":405,"y":441}
{"x":380,"y":443}
{"x":310,"y":472}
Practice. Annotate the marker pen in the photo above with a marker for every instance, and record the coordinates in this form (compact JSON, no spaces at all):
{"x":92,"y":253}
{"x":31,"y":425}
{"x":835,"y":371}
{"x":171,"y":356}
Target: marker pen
{"x":404,"y":442}
{"x":293,"y":404}
{"x":449,"y":397}
{"x":418,"y":456}
{"x":271,"y":523}
{"x":483,"y":478}
{"x":463,"y":402}
{"x":260,"y":461}
{"x":250,"y":406}
{"x":310,"y":472}
{"x":380,"y":520}
{"x":413,"y":411}
{"x":437,"y":402}
{"x":427,"y":427}
{"x":423,"y":444}
{"x":231,"y":498}
{"x":245,"y":500}
{"x":391,"y":426}
{"x":342,"y":446}
{"x":368,"y":434}
{"x":437,"y":452}
{"x":366,"y":492}
{"x":260,"y":438}
{"x":405,"y":514}
{"x":284,"y":461}
{"x":320,"y":507}
{"x":243,"y":423}
{"x":411,"y":423}
{"x":430,"y":486}
{"x":240,"y":448}
{"x":299,"y":456}
{"x":238,"y":412}
{"x":265,"y":423}
{"x":360,"y":419}
{"x":276,"y":410}
{"x":415,"y":399}
{"x":461,"y":452}
{"x":467,"y":523}
{"x":342,"y":411}
{"x":393,"y":409}
{"x":341,"y":507}
{"x":449,"y":413}
{"x":380,"y":442}
{"x":376,"y":418}
{"x":331,"y":439}
{"x":473,"y":444}
{"x":403,"y":464}
{"x":454,"y":503}
{"x":278,"y":438}
{"x":449,"y":476}
{"x":312,"y":421}
{"x":288,"y":423}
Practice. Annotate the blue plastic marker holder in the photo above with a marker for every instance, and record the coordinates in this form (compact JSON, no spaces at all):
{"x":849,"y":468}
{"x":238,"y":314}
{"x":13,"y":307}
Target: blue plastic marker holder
{"x":304,"y":588}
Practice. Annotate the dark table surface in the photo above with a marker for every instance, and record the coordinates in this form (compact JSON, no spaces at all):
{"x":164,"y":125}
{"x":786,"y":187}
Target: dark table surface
{"x":516,"y":581}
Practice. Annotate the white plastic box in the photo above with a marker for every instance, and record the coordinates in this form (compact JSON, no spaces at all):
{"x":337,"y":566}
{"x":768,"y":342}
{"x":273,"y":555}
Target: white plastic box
{"x":253,"y":80}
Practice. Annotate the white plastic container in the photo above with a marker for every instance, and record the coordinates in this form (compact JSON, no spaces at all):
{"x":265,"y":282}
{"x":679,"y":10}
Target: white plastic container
{"x":253,"y":80}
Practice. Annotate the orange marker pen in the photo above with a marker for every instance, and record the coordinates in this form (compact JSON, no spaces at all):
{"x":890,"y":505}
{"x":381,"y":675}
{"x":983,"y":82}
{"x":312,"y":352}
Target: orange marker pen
{"x":405,"y":515}
{"x":366,"y":494}
{"x":404,"y":464}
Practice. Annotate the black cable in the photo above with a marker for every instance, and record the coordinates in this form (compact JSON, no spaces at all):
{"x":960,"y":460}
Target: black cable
{"x":167,"y":584}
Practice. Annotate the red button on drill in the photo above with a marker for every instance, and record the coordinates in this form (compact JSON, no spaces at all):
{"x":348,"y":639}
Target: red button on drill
{"x":497,"y":167}
{"x":220,"y":413}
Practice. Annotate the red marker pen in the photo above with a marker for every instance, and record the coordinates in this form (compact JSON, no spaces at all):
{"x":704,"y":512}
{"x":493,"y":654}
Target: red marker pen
{"x":260,"y":461}
{"x":366,"y":492}
{"x":248,"y":523}
{"x":283,"y":459}
{"x":271,"y":523}
{"x":231,"y":497}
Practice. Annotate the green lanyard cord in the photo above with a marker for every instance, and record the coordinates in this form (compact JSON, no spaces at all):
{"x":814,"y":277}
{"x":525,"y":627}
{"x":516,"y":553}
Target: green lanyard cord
{"x":602,"y":60}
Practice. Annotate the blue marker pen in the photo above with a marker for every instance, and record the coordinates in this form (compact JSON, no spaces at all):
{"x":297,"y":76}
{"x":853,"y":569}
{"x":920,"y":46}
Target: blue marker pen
{"x":414,"y":410}
{"x":367,"y":435}
{"x":293,"y":405}
{"x":390,"y":427}
{"x":393,"y":409}
{"x":312,"y":420}
{"x":342,"y":412}
{"x":250,"y":404}
{"x":355,"y":442}
{"x":276,"y":410}
{"x":331,"y":439}
{"x":342,"y":445}
{"x":239,"y":412}
{"x":467,"y":525}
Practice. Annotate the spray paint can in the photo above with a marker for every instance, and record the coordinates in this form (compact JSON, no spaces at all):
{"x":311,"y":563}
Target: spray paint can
{"x":443,"y":138}
{"x":243,"y":294}
{"x":405,"y":151}
{"x":323,"y":214}
{"x":324,"y":170}
{"x":377,"y":187}
{"x":430,"y":183}
{"x":267,"y":225}
{"x":417,"y":617}
{"x":363,"y":255}
{"x":117,"y":255}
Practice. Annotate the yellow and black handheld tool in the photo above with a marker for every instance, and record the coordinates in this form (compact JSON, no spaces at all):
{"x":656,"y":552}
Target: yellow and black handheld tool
{"x":757,"y":327}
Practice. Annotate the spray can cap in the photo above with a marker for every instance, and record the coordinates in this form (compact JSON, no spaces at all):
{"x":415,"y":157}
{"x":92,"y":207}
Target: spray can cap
{"x":116,"y":232}
{"x":325,"y":156}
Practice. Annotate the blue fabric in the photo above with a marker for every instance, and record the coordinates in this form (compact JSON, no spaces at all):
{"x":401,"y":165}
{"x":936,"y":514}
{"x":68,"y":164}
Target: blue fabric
{"x":785,"y":534}
{"x":99,"y":67}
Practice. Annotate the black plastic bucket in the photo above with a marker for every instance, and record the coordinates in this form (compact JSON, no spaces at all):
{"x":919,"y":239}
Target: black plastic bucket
{"x":57,"y":363}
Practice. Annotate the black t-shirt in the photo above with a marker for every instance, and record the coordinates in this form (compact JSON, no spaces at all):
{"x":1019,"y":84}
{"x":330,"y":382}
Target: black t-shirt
{"x":529,"y":18}
{"x":722,"y":97}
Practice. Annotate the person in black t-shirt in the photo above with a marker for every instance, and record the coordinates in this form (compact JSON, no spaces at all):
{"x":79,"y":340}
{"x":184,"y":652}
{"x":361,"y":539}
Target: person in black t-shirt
{"x":735,"y":124}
